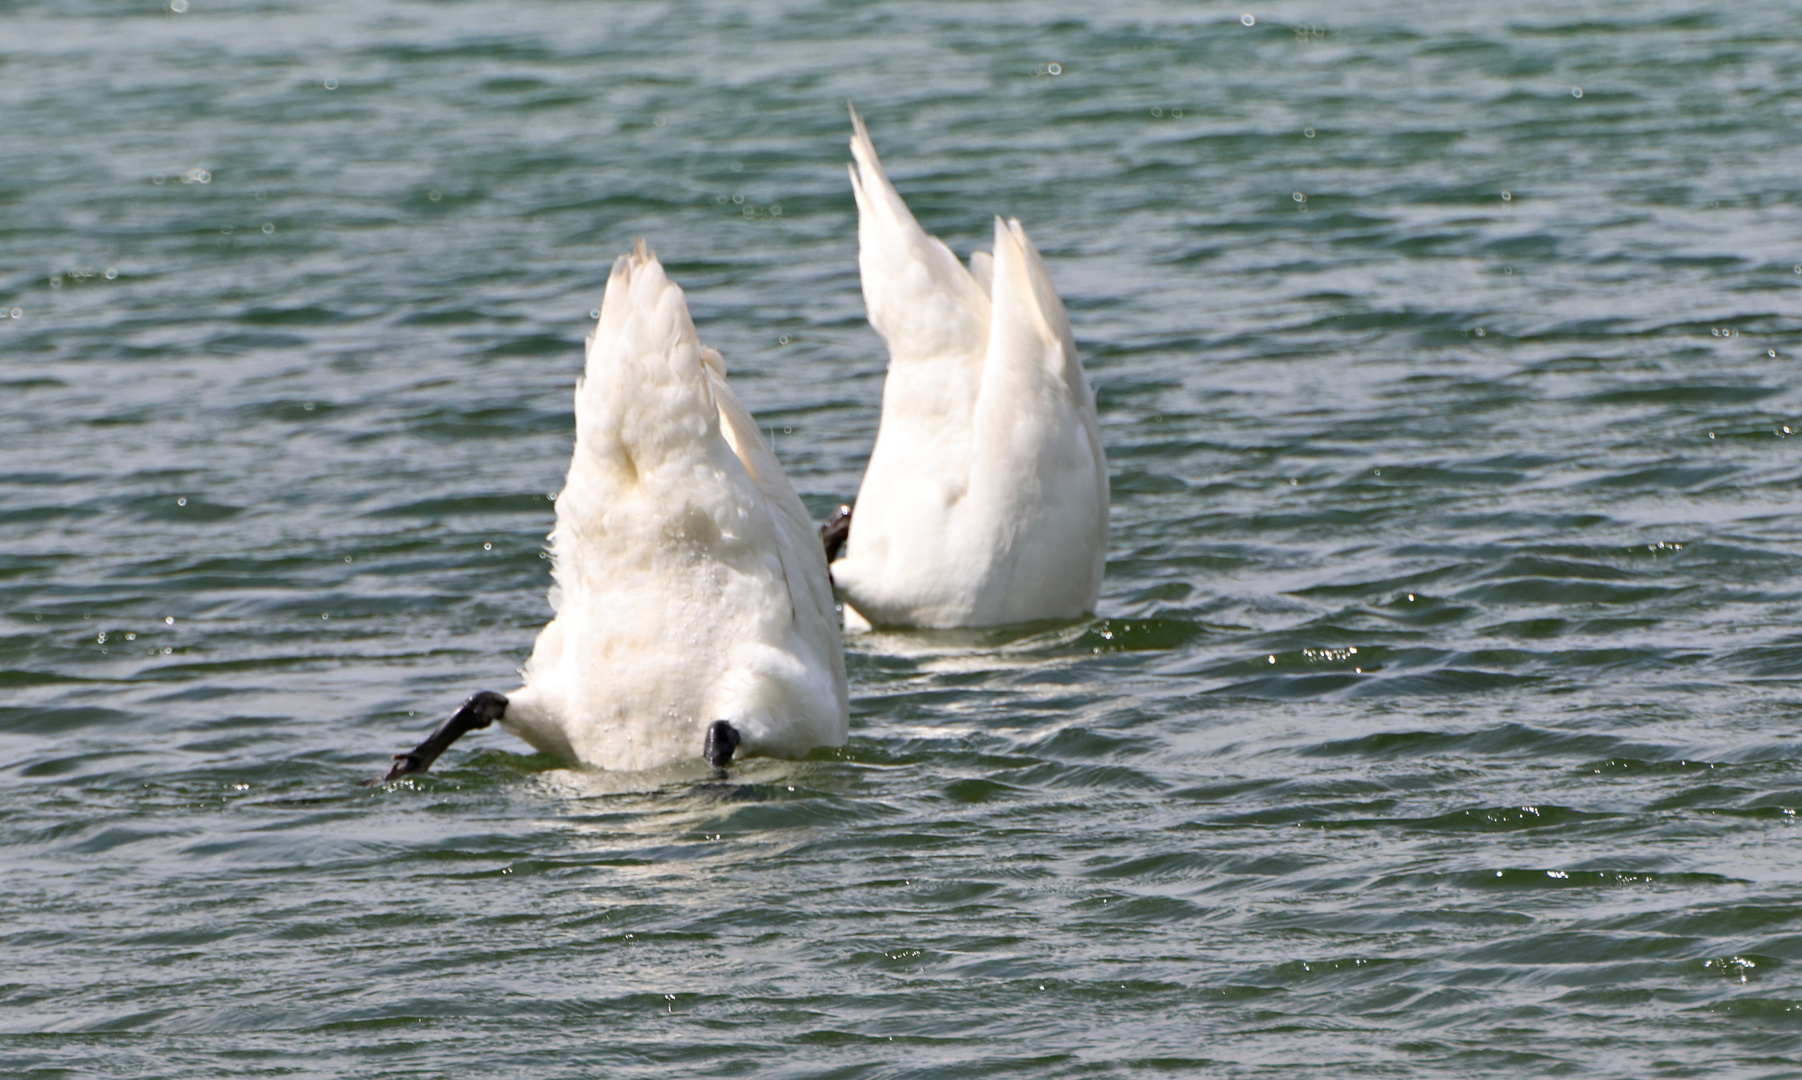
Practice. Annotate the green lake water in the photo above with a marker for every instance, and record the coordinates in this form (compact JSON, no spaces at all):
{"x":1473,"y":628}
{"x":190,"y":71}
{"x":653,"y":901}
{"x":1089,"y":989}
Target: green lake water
{"x":1439,"y":718}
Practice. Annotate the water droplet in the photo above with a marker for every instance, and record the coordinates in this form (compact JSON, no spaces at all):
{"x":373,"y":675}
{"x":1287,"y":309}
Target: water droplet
{"x":260,"y":196}
{"x":1772,"y":353}
{"x":17,"y":313}
{"x":1248,"y":19}
{"x":309,"y":406}
{"x":168,"y":620}
{"x":775,"y":209}
{"x":1054,"y":69}
{"x":487,"y":547}
{"x":659,"y":121}
{"x":1299,"y":197}
{"x":1155,"y":111}
{"x":347,"y":558}
{"x":159,"y":179}
{"x":331,"y":84}
{"x":593,"y":313}
{"x":721,"y":199}
{"x":738,"y":166}
{"x":783,"y":340}
{"x":183,"y":501}
{"x":1481,"y":332}
{"x":100,"y":638}
{"x":131,"y":637}
{"x":737,"y":199}
{"x":111,"y":274}
{"x":178,"y":6}
{"x":1507,"y":269}
{"x":325,"y":616}
{"x":1410,"y":598}
{"x":1272,"y":659}
{"x":226,"y":229}
{"x":1307,"y":133}
{"x":436,"y":196}
{"x":268,"y":228}
{"x":1576,"y":91}
{"x":1507,"y":196}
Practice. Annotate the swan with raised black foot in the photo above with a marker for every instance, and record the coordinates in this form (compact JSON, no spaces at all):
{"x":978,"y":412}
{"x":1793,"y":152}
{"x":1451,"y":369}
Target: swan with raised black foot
{"x":694,"y":618}
{"x":985,"y":501}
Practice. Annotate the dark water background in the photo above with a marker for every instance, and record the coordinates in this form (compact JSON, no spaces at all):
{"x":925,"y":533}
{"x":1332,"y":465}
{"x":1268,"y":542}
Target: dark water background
{"x":1441,"y":714}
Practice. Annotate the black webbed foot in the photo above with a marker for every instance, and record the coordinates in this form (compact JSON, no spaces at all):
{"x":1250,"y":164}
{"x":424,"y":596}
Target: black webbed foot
{"x":722,"y":740}
{"x":834,"y":532}
{"x":478,"y":712}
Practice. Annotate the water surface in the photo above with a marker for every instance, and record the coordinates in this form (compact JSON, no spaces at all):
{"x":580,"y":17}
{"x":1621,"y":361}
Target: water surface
{"x":1439,"y":717}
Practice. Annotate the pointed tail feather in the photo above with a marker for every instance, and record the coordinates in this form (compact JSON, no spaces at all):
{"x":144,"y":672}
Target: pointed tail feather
{"x":1028,"y":309}
{"x":645,"y":387}
{"x":918,"y":295}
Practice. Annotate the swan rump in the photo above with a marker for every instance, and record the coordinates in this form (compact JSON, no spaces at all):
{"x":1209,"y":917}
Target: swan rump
{"x":689,"y":585}
{"x":986,"y":497}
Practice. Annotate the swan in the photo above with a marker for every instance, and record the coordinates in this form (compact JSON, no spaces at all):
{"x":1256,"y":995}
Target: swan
{"x":694,"y":614}
{"x":986,"y":497}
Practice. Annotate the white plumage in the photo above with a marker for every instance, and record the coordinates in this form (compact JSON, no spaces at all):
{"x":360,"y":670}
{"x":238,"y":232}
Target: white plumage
{"x":986,"y":497}
{"x":690,"y":585}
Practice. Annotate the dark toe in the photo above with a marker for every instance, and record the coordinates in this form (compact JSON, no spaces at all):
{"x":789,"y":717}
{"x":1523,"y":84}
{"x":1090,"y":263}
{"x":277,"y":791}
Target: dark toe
{"x":722,"y":741}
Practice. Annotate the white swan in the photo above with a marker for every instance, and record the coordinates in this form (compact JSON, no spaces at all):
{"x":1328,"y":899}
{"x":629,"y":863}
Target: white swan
{"x":693,"y":610}
{"x":986,"y":497}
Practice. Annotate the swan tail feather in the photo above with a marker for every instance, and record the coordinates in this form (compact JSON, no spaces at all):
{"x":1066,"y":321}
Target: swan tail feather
{"x":919,"y":297}
{"x":645,"y":421}
{"x":1037,"y":412}
{"x":1029,"y":318}
{"x":645,"y":397}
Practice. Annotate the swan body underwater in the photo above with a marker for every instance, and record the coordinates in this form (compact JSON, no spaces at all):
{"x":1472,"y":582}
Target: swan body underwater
{"x":694,"y":614}
{"x":985,"y":501}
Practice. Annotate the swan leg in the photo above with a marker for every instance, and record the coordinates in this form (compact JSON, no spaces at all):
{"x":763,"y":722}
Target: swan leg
{"x":722,"y":740}
{"x":482,"y":708}
{"x":834,"y":532}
